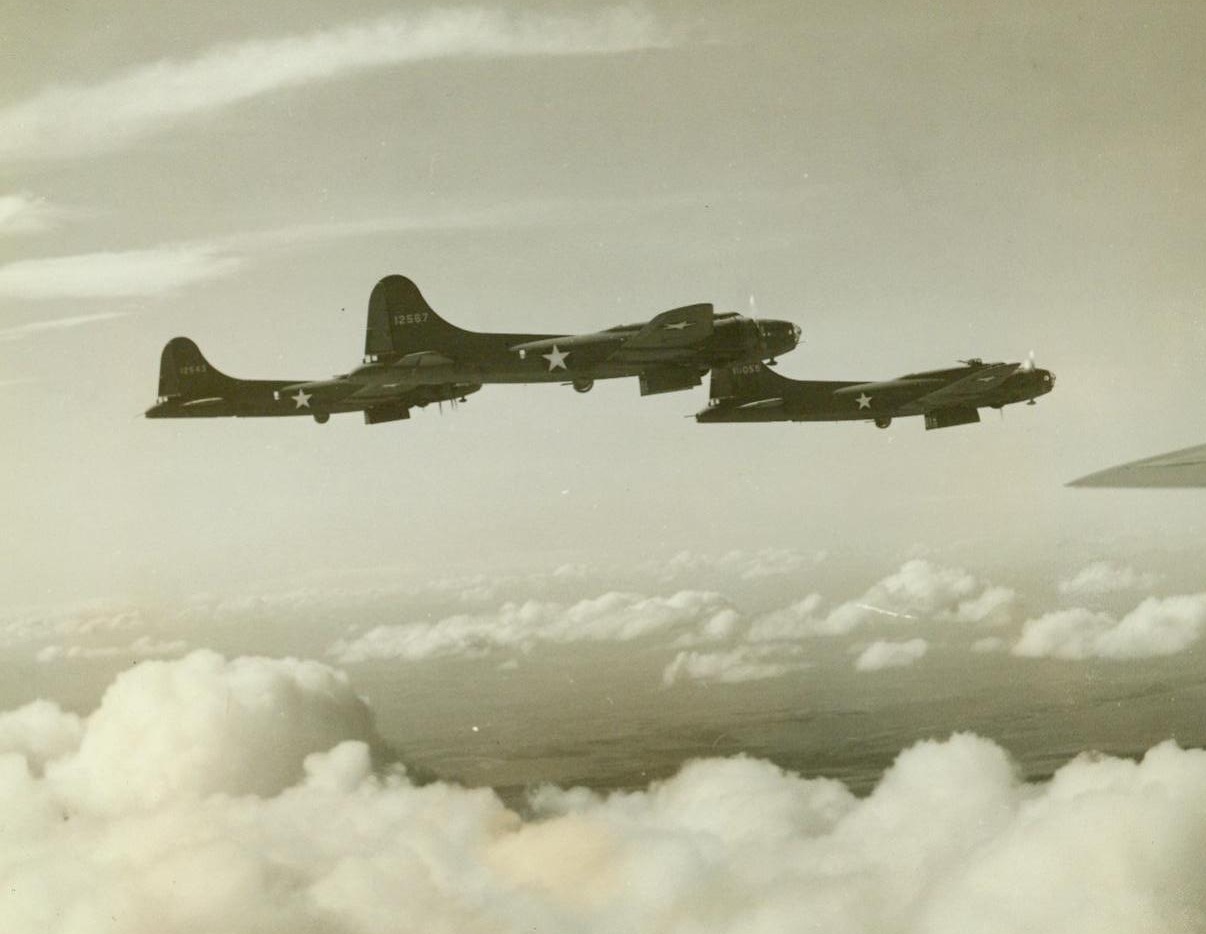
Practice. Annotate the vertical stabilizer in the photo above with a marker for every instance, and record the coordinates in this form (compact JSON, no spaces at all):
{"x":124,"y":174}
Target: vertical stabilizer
{"x":185,"y":373}
{"x":400,"y":322}
{"x":744,"y":381}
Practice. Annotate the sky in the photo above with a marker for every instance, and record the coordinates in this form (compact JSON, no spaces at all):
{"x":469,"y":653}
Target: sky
{"x":911,"y":184}
{"x":557,"y":661}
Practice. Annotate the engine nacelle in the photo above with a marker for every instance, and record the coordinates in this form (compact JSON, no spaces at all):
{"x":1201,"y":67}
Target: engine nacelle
{"x":386,"y":413}
{"x":947,"y":418}
{"x":669,"y":379}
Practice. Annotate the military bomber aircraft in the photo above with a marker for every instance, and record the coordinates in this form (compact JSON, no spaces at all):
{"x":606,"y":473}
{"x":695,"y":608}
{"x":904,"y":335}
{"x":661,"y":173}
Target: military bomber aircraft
{"x":413,"y":357}
{"x":749,"y":392}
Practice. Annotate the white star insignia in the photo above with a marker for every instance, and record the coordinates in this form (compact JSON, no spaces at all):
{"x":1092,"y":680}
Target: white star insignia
{"x":864,"y":401}
{"x":556,"y":359}
{"x":678,"y":326}
{"x":302,"y":399}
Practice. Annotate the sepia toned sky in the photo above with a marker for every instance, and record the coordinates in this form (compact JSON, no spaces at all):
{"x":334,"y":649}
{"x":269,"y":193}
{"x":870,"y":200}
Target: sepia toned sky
{"x":554,"y":661}
{"x":912,"y":183}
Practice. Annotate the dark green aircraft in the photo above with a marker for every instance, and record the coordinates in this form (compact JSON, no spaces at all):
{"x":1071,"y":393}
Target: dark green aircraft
{"x":413,"y":357}
{"x":749,"y":392}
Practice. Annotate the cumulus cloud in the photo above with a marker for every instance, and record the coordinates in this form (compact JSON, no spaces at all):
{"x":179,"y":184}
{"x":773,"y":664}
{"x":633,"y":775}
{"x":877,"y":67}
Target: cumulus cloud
{"x":1103,"y":577}
{"x":214,"y":795}
{"x":736,"y":665}
{"x":612,"y":617}
{"x":189,"y":728}
{"x":117,"y":274}
{"x":883,"y":654}
{"x":72,"y":120}
{"x":919,"y":591}
{"x":1155,"y":627}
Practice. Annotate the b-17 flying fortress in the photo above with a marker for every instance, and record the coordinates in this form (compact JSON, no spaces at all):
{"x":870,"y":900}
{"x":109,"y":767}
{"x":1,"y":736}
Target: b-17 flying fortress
{"x":413,"y":358}
{"x":749,"y":392}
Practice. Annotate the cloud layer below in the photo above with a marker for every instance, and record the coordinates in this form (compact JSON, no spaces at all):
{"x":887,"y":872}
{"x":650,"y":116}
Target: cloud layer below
{"x":206,"y":794}
{"x":1155,"y":627}
{"x":612,"y":617}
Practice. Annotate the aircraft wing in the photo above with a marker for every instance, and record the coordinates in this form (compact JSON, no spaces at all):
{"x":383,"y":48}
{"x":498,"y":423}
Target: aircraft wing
{"x":679,"y":327}
{"x":965,"y":391}
{"x":1184,"y":468}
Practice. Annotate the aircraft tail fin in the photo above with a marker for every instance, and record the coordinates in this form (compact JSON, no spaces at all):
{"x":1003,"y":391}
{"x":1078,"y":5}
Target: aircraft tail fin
{"x":400,"y":322}
{"x":744,"y":381}
{"x":184,"y":372}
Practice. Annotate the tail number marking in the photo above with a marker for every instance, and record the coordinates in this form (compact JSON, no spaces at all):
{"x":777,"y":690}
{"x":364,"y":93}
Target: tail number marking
{"x":193,"y":369}
{"x":417,"y":318}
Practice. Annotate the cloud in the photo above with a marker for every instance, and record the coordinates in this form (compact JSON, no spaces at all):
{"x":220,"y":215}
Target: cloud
{"x":162,"y":812}
{"x":169,"y":267}
{"x":613,"y":617}
{"x":142,"y":647}
{"x":919,"y":592}
{"x":119,"y":274}
{"x":39,"y":732}
{"x":736,"y":665}
{"x":31,"y":328}
{"x":22,"y":213}
{"x":1155,"y":627}
{"x":197,"y":723}
{"x":881,"y":654}
{"x":1103,"y":577}
{"x":20,"y":626}
{"x":72,"y":120}
{"x":747,"y":565}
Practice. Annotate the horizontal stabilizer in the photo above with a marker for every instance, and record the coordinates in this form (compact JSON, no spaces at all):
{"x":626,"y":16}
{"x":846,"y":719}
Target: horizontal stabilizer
{"x":425,"y":358}
{"x":212,"y":400}
{"x":763,"y":404}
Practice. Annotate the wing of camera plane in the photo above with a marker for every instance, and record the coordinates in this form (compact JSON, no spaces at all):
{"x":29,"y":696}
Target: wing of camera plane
{"x":1183,"y":469}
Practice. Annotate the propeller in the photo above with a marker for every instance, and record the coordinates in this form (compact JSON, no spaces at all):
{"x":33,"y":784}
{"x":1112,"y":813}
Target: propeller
{"x":1028,"y":366}
{"x":758,"y":328}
